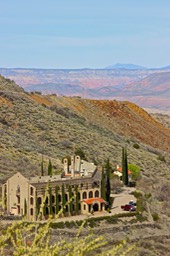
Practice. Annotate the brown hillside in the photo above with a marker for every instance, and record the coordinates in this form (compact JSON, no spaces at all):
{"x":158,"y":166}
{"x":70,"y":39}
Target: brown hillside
{"x":124,"y":118}
{"x":33,"y":124}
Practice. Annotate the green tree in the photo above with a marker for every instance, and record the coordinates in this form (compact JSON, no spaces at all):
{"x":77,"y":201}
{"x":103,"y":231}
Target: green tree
{"x":50,"y":168}
{"x":77,"y":200}
{"x":63,"y":198}
{"x":42,"y":166}
{"x":135,"y":171}
{"x":125,"y":177}
{"x":50,"y":199}
{"x":25,"y":207}
{"x":5,"y":199}
{"x":108,"y":170}
{"x":37,"y":208}
{"x":103,"y":187}
{"x":81,"y":153}
{"x":71,"y":199}
{"x":68,"y":158}
{"x":56,"y":199}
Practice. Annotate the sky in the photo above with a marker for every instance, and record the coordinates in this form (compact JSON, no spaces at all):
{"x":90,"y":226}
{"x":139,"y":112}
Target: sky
{"x":84,"y":33}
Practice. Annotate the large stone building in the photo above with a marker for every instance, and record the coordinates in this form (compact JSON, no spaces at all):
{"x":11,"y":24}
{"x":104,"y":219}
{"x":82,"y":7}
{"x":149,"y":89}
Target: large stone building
{"x":77,"y":189}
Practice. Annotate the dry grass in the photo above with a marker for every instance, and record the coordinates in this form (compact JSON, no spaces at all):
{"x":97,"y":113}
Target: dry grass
{"x":29,"y":129}
{"x":56,"y":126}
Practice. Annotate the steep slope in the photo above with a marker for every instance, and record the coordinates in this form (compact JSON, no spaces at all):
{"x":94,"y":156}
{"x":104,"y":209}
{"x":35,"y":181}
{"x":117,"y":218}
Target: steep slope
{"x":124,"y":118}
{"x":32,"y":125}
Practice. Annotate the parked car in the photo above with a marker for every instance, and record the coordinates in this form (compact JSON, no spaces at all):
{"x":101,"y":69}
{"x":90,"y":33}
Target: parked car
{"x":128,"y":207}
{"x":132,"y":203}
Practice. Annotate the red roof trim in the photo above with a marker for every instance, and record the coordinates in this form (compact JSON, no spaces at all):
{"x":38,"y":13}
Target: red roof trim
{"x":120,"y":170}
{"x":93,"y":200}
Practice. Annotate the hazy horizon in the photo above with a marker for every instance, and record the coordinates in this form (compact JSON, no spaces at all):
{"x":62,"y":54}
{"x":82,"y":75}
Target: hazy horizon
{"x":88,"y":34}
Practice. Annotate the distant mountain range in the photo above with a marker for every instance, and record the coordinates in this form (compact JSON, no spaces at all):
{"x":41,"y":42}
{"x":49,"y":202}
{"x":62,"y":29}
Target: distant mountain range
{"x":125,"y":66}
{"x":149,"y":88}
{"x":133,"y":67}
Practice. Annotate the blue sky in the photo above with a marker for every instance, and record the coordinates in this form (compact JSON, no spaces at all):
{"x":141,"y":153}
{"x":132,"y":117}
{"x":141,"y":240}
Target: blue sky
{"x":84,"y":33}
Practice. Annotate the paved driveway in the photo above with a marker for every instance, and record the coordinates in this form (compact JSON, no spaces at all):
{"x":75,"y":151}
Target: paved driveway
{"x":121,"y":199}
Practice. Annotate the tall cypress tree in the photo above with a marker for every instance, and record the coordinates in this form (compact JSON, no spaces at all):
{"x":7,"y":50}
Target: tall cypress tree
{"x":108,"y":169}
{"x":42,"y":166}
{"x":126,"y":169}
{"x":103,"y":187}
{"x":63,"y":198}
{"x":50,"y":199}
{"x":71,"y":199}
{"x":50,"y":168}
{"x":77,"y":200}
{"x":123,"y":165}
{"x":25,"y":207}
{"x":125,"y":178}
{"x":56,"y":200}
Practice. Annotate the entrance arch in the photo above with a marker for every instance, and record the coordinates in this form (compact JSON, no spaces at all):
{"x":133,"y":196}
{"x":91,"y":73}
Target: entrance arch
{"x":95,"y":207}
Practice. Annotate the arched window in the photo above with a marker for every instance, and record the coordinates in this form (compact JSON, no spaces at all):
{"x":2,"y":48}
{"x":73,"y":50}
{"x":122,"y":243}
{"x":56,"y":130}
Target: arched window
{"x":39,"y":200}
{"x":31,"y":200}
{"x":66,"y":208}
{"x":59,"y":198}
{"x":31,"y":211}
{"x":53,"y":210}
{"x":46,"y":200}
{"x":91,"y":194}
{"x":31,"y":191}
{"x":97,"y":193}
{"x":84,"y":195}
{"x":53,"y":199}
{"x":46,"y":211}
{"x":66,"y":197}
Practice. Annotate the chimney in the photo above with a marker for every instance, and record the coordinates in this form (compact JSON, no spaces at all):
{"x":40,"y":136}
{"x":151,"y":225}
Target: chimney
{"x":77,"y":164}
{"x":65,"y":165}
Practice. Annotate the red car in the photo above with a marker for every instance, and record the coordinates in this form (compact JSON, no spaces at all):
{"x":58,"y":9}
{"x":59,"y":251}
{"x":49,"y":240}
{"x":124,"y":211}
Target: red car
{"x":128,"y":207}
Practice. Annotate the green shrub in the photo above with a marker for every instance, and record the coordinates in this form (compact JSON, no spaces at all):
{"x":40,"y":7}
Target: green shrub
{"x":161,"y":158}
{"x":137,"y":194}
{"x":56,"y":225}
{"x":141,"y":218}
{"x":112,"y":220}
{"x":136,"y":146}
{"x":155,"y":216}
{"x":135,"y":171}
{"x":148,"y":195}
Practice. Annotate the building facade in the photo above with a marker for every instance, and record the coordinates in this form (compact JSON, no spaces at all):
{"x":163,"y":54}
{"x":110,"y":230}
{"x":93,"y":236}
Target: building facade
{"x":76,"y":191}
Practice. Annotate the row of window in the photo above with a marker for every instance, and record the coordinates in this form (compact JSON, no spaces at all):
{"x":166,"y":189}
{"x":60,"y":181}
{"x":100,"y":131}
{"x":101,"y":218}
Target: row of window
{"x":32,"y":189}
{"x":85,"y":195}
{"x":47,"y":209}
